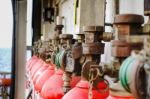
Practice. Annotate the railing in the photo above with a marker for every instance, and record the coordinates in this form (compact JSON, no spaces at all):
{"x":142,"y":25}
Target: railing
{"x":5,"y":82}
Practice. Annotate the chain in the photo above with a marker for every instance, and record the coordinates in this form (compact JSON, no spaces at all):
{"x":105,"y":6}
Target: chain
{"x":91,"y":77}
{"x":94,"y":73}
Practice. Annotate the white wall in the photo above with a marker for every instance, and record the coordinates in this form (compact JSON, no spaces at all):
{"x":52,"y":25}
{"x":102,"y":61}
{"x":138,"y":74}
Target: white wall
{"x":132,"y":6}
{"x":110,"y":11}
{"x":89,"y":13}
{"x":67,"y":10}
{"x":127,"y":6}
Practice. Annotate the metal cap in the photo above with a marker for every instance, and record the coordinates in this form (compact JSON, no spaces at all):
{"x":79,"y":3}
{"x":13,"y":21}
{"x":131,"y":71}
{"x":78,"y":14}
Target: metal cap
{"x":79,"y":36}
{"x":66,"y":36}
{"x":93,"y":28}
{"x":128,"y":19}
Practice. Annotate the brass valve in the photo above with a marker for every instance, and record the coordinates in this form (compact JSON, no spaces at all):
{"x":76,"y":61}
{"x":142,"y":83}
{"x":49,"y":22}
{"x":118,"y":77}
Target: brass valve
{"x":93,"y":33}
{"x":120,"y":48}
{"x":76,"y":50}
{"x":93,"y":73}
{"x":91,"y":65}
{"x":55,"y":41}
{"x":58,"y":29}
{"x":92,"y":48}
{"x":107,"y":36}
{"x":128,"y":24}
{"x":66,"y":40}
{"x":128,"y":36}
{"x":77,"y":54}
{"x":36,"y":47}
{"x":72,"y":54}
{"x":64,"y":50}
{"x":65,"y":60}
{"x":129,"y":32}
{"x":80,"y":38}
{"x":45,"y":50}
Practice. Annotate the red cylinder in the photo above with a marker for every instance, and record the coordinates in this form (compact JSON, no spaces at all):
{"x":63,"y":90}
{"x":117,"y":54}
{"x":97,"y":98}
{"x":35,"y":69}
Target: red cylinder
{"x":39,"y":72}
{"x":43,"y":78}
{"x":74,"y":81}
{"x":37,"y":66}
{"x":36,"y":62}
{"x":52,"y":89}
{"x":81,"y":91}
{"x":31,"y":62}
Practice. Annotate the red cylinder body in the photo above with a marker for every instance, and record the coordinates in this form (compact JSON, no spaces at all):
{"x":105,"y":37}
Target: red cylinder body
{"x":74,"y":81}
{"x":39,"y":72}
{"x":43,"y":78}
{"x":36,"y":62}
{"x":31,"y":62}
{"x":53,"y":88}
{"x":81,"y":91}
{"x":37,"y":66}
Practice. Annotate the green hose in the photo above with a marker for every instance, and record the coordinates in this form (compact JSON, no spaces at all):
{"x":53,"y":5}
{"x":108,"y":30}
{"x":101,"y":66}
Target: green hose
{"x":58,"y":59}
{"x":124,"y":72}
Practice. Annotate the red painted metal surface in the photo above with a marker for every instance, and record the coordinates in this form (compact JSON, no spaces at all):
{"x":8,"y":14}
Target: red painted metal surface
{"x":44,"y":77}
{"x":75,"y":80}
{"x":31,"y":62}
{"x":34,"y":63}
{"x":81,"y":91}
{"x":36,"y":67}
{"x":53,"y":88}
{"x":39,"y":72}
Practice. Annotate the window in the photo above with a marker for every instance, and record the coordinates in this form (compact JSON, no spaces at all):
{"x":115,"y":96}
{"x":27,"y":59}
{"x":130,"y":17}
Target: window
{"x":6,"y":31}
{"x":29,"y":29}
